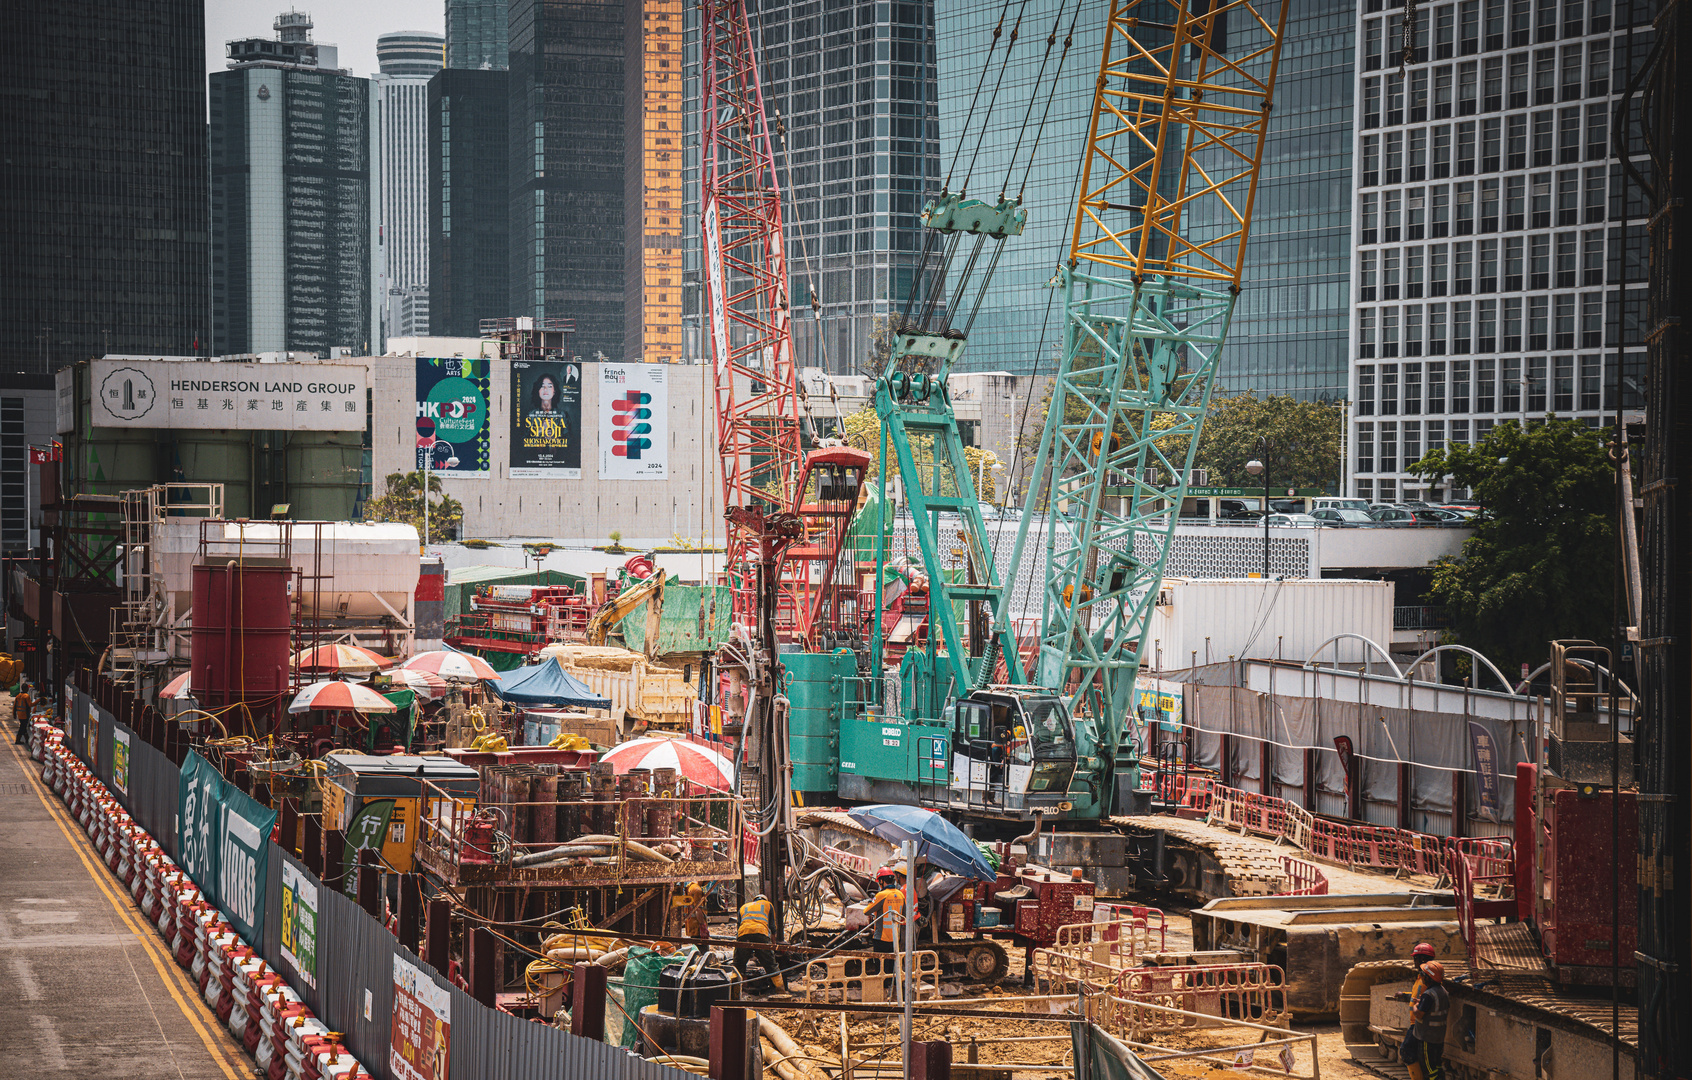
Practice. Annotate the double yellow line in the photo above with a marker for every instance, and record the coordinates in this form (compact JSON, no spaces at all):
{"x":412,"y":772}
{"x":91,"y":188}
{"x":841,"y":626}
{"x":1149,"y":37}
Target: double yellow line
{"x":219,"y":1045}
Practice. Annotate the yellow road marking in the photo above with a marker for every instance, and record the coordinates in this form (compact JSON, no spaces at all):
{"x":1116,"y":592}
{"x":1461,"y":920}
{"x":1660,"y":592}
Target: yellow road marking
{"x":169,"y":973}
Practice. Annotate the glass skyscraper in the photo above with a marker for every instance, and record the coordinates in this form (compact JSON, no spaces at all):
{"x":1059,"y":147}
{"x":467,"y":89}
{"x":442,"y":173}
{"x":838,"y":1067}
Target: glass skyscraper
{"x":1288,"y":334}
{"x":103,"y":194}
{"x":567,"y":166}
{"x":1501,"y":257}
{"x":294,"y":232}
{"x":407,"y":59}
{"x":469,"y":201}
{"x":853,"y":85}
{"x":476,"y":34}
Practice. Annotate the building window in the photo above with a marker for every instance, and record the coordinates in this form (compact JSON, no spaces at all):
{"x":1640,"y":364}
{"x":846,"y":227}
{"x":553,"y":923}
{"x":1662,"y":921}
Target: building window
{"x":1412,"y":333}
{"x":1468,"y":89}
{"x":1444,"y":89}
{"x":1489,"y":205}
{"x":1597,"y":71}
{"x":1394,"y":156}
{"x":1544,"y":137}
{"x":1412,"y":443}
{"x":1571,"y":71}
{"x":1395,"y":98}
{"x":1435,"y":389}
{"x":1415,"y":213}
{"x":1591,"y":388}
{"x":1365,"y":448}
{"x":1386,"y":490}
{"x":1539,"y":261}
{"x":1440,"y":218}
{"x":1372,"y":102}
{"x":1544,"y":76}
{"x":1514,"y":264}
{"x":1539,"y":318}
{"x":1592,"y":257}
{"x":1563,"y":326}
{"x":1389,"y":273}
{"x":1494,"y":24}
{"x":1486,"y":326}
{"x":1568,"y":261}
{"x":1436,"y":329}
{"x":1389,"y":389}
{"x":1391,"y":215}
{"x":1492,"y":84}
{"x":1459,"y":386}
{"x":1519,"y":80}
{"x":1462,"y":268}
{"x":1372,"y":43}
{"x":1464,"y":209}
{"x":1486,"y":266}
{"x":1482,"y":428}
{"x":1515,"y":204}
{"x":1460,"y":326}
{"x":1510,"y":385}
{"x":1539,"y":206}
{"x":1459,"y":433}
{"x":1536,"y":384}
{"x":1568,"y":135}
{"x":1562,"y":384}
{"x":1371,"y":162}
{"x":1597,"y":132}
{"x":1439,"y":255}
{"x":1591,"y":320}
{"x":1568,"y":197}
{"x":1412,"y":395}
{"x":1366,"y":277}
{"x":1545,"y":21}
{"x":1573,"y":24}
{"x":1366,"y":333}
{"x":1369,"y":207}
{"x":1366,"y":390}
{"x":1366,"y":490}
{"x":1441,"y":152}
{"x":1486,"y":372}
{"x":1389,"y":332}
{"x":1597,"y":207}
{"x":1445,"y":32}
{"x":1388,"y":460}
{"x":1436,"y":436}
{"x":1413,"y":272}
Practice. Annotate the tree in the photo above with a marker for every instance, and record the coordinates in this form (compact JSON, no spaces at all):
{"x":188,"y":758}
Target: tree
{"x":1538,"y":565}
{"x":1307,"y":433}
{"x":862,"y":429}
{"x":403,"y":503}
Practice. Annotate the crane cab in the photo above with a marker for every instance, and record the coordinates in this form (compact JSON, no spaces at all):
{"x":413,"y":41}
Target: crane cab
{"x":1013,"y":748}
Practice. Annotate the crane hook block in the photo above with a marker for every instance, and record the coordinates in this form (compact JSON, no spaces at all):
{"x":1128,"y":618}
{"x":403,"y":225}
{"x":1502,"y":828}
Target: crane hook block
{"x":950,"y":213}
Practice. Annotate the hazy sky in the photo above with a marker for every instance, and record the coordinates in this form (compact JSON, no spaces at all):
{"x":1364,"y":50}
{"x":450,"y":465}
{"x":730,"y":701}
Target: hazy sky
{"x":354,"y":25}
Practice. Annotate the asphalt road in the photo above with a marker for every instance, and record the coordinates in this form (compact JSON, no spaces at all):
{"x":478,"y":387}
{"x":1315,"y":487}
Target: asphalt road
{"x":90,"y":988}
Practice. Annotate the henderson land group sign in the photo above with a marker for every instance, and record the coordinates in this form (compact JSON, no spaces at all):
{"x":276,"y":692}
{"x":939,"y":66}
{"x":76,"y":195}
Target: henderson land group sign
{"x":240,"y":396}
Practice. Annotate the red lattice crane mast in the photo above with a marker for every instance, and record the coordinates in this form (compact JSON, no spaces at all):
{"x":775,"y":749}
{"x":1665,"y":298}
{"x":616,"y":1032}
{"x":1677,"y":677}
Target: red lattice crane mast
{"x":746,"y":303}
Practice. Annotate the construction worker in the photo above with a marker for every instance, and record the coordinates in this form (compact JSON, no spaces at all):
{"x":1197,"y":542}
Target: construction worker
{"x":21,"y":706}
{"x":1423,"y":1051}
{"x":755,"y":918}
{"x":1419,"y":956}
{"x":693,"y":918}
{"x":886,"y":910}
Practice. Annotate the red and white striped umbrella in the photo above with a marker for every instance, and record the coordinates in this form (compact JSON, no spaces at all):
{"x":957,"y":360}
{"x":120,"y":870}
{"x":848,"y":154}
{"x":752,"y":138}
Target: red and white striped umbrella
{"x":334,"y":694}
{"x":339,"y":657}
{"x":452,"y":666}
{"x":428,"y":685}
{"x":177,"y":688}
{"x":701,"y":764}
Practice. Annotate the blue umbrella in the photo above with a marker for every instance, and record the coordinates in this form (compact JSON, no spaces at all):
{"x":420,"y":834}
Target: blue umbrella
{"x":937,"y":839}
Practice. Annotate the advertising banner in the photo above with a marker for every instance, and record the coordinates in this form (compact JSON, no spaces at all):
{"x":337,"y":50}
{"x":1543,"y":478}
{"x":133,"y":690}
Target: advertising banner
{"x":244,"y":397}
{"x":368,"y":829}
{"x":452,"y":415}
{"x":419,"y":1044}
{"x":1486,"y":770}
{"x":634,"y":436}
{"x":223,"y":843}
{"x":299,"y":923}
{"x":546,"y":420}
{"x":1159,"y":701}
{"x":120,"y":760}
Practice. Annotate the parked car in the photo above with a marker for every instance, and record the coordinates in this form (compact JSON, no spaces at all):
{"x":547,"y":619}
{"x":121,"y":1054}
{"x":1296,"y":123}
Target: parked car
{"x":1332,"y":502}
{"x":1343,"y":517}
{"x":1394,"y":517}
{"x":1295,"y":521}
{"x":1435,"y":516}
{"x":1241,"y":517}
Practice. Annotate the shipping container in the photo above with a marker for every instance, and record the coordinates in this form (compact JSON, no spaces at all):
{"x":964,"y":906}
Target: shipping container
{"x":1209,"y":621}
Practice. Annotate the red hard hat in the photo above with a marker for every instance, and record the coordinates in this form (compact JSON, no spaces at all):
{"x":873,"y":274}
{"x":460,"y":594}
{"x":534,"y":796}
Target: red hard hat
{"x":1424,"y":949}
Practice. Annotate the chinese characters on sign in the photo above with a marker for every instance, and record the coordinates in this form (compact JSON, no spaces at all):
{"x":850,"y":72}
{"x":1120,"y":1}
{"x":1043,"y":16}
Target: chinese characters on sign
{"x":452,"y":415}
{"x":1486,"y":769}
{"x":546,"y":420}
{"x":421,"y":1038}
{"x":299,"y":922}
{"x":185,"y":394}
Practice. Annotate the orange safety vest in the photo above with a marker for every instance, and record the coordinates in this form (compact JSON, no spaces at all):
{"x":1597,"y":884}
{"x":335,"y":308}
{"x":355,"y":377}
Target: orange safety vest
{"x":891,"y":903}
{"x":755,"y":917}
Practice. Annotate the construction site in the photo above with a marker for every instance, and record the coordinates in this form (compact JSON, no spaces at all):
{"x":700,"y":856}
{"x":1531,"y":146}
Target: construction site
{"x":895,"y":792}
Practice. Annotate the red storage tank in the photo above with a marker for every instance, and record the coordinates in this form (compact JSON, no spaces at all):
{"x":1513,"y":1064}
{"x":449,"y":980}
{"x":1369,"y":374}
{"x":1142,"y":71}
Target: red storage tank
{"x":240,"y":644}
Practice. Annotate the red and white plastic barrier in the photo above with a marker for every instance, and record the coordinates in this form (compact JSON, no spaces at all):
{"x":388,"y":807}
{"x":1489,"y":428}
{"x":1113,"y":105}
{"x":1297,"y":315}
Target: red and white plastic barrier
{"x":249,"y":997}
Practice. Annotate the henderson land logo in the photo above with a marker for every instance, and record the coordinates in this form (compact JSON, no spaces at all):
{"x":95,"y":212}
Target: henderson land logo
{"x":127,"y":393}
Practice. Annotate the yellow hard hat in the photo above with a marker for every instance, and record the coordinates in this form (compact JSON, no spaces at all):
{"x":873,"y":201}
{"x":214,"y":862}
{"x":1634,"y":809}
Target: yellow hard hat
{"x":695,"y":889}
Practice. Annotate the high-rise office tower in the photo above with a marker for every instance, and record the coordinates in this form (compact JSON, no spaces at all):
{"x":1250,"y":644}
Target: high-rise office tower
{"x":652,"y":191}
{"x":1500,"y":248}
{"x":470,"y":200}
{"x":293,"y":161}
{"x":476,"y":34}
{"x":103,"y":192}
{"x":408,"y":59}
{"x":567,"y":168}
{"x":853,"y":86}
